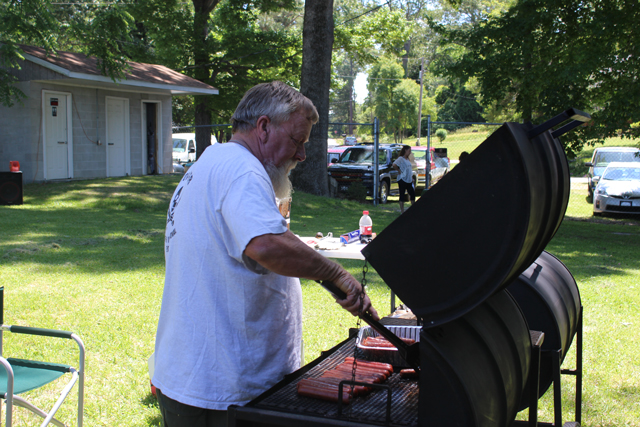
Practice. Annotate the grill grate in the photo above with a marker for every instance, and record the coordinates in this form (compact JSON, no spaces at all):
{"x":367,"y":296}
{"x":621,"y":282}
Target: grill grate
{"x":369,"y":409}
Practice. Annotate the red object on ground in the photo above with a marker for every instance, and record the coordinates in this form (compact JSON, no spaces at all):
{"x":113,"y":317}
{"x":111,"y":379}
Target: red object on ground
{"x":153,"y":388}
{"x":14,"y":166}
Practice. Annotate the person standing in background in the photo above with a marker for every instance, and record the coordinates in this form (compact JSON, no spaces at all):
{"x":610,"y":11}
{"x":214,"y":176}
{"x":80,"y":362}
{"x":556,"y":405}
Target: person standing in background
{"x":405,"y":178}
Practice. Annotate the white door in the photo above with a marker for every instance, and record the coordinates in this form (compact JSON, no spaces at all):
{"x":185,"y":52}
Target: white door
{"x":56,"y":136}
{"x":117,"y":136}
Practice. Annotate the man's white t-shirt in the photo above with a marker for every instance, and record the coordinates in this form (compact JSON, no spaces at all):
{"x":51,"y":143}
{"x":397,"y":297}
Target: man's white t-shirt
{"x":405,"y":169}
{"x":228,"y":328}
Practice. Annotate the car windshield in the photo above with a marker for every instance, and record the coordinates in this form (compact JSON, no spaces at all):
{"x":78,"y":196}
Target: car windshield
{"x":362,"y":155}
{"x":179,"y":145}
{"x":419,"y":154}
{"x":621,"y":174}
{"x":606,"y":157}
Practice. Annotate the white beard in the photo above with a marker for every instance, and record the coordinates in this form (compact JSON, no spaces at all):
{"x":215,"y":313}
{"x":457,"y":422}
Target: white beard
{"x":280,"y":178}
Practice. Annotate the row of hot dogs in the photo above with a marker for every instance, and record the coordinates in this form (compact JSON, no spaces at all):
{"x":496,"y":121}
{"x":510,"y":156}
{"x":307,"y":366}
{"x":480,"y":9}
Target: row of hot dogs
{"x":383,"y":342}
{"x":327,"y":386}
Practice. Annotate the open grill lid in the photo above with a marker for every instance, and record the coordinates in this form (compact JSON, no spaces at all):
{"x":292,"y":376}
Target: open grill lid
{"x":481,"y":226}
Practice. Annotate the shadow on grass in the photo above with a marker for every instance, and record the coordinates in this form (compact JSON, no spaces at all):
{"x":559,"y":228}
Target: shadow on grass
{"x":150,"y":401}
{"x":111,"y":225}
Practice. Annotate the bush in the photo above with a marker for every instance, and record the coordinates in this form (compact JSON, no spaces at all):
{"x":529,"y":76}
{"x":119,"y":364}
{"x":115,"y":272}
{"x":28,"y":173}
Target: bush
{"x":357,"y":191}
{"x":441,"y":134}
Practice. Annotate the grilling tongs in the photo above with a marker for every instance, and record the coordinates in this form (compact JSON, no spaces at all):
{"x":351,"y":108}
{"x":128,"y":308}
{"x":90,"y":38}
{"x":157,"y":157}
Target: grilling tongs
{"x":410,"y":353}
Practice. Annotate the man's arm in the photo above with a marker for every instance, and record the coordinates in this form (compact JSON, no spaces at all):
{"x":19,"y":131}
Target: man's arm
{"x":287,"y":255}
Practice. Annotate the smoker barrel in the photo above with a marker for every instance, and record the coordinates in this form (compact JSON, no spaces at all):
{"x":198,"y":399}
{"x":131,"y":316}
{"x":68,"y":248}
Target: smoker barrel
{"x":450,"y":259}
{"x":549,"y":297}
{"x":474,"y":369}
{"x":476,"y":230}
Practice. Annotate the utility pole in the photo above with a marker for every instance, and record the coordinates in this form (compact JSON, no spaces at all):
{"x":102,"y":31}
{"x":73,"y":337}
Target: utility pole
{"x":420,"y":102}
{"x":351,"y":96}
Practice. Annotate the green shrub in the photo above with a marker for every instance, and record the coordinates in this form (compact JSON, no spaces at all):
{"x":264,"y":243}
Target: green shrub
{"x":357,"y":191}
{"x":441,"y":134}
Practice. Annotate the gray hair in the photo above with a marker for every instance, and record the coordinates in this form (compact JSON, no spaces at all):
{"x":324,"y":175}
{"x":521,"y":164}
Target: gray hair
{"x":275,"y":100}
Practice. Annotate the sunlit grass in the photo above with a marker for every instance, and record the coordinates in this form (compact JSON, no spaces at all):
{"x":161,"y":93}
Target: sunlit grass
{"x":87,"y":256}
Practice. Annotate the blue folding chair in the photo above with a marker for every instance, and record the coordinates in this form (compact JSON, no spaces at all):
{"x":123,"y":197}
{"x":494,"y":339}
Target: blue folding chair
{"x":19,"y":376}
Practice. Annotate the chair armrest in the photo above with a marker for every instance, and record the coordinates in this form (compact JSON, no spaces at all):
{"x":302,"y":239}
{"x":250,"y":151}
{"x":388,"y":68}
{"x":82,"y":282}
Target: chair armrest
{"x":40,"y":331}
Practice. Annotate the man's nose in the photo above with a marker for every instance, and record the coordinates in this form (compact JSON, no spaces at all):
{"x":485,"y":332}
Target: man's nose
{"x":300,"y":154}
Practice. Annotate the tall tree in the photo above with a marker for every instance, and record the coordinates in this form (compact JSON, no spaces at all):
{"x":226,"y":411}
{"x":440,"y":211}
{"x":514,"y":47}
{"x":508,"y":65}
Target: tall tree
{"x":236,"y":45}
{"x":404,"y":108}
{"x":315,"y":80}
{"x":550,"y":55}
{"x":457,"y":104}
{"x":201,"y":70}
{"x":383,"y":78}
{"x":100,"y":31}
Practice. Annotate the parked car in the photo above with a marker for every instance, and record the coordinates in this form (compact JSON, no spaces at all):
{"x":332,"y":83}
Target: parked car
{"x":334,"y":152}
{"x":356,"y":165}
{"x":602,"y":156}
{"x":184,"y":147}
{"x":618,"y":190}
{"x":440,"y":165}
{"x":350,"y":140}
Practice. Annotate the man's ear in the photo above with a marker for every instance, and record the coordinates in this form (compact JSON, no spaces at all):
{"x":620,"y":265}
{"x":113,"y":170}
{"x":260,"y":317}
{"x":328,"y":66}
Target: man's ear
{"x":261,"y":127}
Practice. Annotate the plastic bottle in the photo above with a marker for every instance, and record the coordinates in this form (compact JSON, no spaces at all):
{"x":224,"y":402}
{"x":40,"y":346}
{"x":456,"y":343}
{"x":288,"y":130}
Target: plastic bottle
{"x":366,"y":227}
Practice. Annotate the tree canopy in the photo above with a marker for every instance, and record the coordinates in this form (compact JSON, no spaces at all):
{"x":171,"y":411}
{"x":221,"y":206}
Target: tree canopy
{"x":92,"y":29}
{"x":544,"y":56}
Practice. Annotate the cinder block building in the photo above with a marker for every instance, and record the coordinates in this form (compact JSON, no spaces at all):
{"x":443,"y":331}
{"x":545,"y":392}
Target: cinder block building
{"x":76,"y":123}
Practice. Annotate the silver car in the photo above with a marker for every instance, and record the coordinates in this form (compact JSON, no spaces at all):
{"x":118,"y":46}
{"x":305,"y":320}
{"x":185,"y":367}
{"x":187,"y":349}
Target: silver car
{"x":618,"y":190}
{"x":602,"y":156}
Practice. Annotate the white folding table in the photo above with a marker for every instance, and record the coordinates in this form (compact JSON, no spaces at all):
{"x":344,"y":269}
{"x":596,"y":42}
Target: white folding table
{"x":331,"y":247}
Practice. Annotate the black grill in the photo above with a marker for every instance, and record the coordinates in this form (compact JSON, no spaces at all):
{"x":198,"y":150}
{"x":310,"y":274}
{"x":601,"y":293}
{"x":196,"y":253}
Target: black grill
{"x":497,"y":211}
{"x":281,"y":404}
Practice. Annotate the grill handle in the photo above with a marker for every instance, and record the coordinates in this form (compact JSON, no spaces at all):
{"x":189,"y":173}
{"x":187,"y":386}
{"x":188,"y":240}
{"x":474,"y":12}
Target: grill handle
{"x":410,"y":353}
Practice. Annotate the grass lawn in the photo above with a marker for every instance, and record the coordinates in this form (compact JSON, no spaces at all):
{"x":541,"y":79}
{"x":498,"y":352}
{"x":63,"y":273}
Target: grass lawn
{"x":87,"y":256}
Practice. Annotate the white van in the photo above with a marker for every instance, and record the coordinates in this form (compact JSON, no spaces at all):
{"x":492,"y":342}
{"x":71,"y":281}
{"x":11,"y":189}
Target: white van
{"x":184,"y":147}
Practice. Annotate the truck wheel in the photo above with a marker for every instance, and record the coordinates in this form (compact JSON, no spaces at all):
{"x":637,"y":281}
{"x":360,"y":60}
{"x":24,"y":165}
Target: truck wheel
{"x":384,"y":192}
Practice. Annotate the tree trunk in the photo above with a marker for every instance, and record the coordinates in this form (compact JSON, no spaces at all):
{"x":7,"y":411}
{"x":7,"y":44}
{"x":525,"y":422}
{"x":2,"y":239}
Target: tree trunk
{"x":203,"y":9}
{"x":317,"y":42}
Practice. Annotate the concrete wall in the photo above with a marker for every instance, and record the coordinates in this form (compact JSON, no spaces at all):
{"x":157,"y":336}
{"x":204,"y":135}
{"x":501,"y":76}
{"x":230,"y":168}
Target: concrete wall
{"x":21,"y":130}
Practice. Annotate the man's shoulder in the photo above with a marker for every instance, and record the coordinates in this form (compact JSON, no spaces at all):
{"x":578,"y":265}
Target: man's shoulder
{"x":231,"y":154}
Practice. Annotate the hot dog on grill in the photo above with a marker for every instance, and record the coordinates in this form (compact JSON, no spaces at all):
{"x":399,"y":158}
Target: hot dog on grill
{"x":347,"y":376}
{"x":327,"y":386}
{"x":365,"y":367}
{"x":362,"y":371}
{"x":409,"y":373}
{"x":363,"y":362}
{"x":383,"y":342}
{"x":310,"y":389}
{"x":335,"y":382}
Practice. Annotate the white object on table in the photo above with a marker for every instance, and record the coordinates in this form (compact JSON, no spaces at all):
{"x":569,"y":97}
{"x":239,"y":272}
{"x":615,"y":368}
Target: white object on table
{"x":331,"y":247}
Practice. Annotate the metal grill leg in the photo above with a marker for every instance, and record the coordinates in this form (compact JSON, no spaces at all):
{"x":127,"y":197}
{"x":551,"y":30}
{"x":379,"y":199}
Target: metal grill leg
{"x":557,"y":387}
{"x":534,"y":386}
{"x":579,"y":370}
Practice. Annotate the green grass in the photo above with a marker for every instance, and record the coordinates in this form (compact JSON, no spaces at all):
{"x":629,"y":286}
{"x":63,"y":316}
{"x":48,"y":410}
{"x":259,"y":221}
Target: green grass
{"x":87,"y":256}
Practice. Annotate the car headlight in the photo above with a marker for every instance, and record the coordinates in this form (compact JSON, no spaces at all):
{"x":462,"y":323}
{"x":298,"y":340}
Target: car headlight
{"x":601,"y":190}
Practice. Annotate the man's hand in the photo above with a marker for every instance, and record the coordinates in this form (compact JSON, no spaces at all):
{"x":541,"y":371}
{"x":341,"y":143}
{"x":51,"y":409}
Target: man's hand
{"x":350,"y":286}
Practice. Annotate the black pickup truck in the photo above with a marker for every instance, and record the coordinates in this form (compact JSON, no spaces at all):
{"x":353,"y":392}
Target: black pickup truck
{"x":356,"y":165}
